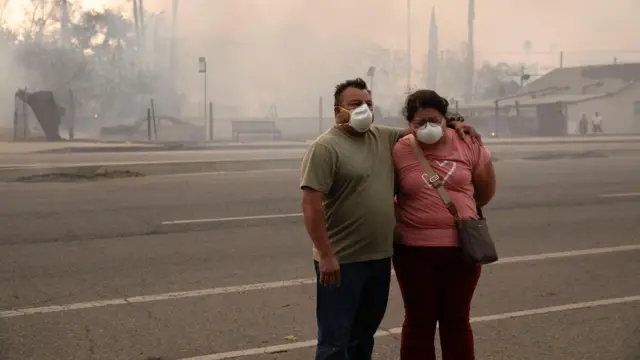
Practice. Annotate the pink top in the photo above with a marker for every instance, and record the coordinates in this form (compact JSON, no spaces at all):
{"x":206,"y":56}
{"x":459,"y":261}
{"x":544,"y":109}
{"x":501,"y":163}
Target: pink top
{"x":422,"y":218}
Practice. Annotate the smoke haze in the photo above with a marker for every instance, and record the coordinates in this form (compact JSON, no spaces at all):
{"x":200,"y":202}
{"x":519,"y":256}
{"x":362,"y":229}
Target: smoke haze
{"x":289,"y":52}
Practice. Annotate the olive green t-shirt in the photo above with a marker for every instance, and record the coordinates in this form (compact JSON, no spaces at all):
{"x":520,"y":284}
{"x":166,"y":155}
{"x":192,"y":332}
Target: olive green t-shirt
{"x":356,"y":175}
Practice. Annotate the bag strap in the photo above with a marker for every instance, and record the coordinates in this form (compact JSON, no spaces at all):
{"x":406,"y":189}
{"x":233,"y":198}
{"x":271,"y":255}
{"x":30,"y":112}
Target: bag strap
{"x":433,"y":179}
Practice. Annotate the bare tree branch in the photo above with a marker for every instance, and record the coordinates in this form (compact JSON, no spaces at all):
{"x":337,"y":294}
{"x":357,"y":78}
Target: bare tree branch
{"x":4,"y":7}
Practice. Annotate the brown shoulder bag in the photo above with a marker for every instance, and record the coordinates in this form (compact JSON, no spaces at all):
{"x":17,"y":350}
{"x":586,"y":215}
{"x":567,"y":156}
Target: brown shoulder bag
{"x":473,"y":235}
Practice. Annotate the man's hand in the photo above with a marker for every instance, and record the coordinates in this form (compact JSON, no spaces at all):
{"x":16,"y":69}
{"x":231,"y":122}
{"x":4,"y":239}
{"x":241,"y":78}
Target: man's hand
{"x":329,"y":271}
{"x":462,"y":129}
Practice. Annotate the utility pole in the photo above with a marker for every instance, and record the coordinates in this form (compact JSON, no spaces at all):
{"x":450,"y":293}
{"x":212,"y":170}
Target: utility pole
{"x":408,"y":46}
{"x":136,"y":22}
{"x":64,"y":23}
{"x":202,"y":68}
{"x":432,"y":56}
{"x":470,"y":53}
{"x":174,"y":30}
{"x":143,"y":30}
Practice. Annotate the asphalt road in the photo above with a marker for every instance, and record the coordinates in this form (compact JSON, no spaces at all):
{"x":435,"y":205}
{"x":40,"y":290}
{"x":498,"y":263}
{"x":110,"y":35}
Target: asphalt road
{"x":57,"y":159}
{"x":180,"y":267}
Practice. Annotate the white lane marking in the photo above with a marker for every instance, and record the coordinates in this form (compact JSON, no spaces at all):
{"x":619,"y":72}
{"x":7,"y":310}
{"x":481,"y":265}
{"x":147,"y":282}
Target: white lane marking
{"x":236,"y":172}
{"x":276,"y":216}
{"x":620,"y":195}
{"x":156,"y":297}
{"x":272,"y":285}
{"x":517,"y":314}
{"x":566,"y":254}
{"x":240,"y":218}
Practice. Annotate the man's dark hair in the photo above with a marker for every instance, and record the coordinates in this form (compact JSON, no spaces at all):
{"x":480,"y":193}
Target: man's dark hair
{"x":424,"y":99}
{"x":357,"y":83}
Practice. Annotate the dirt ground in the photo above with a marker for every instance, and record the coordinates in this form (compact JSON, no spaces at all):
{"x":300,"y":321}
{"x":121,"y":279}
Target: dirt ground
{"x":6,"y":134}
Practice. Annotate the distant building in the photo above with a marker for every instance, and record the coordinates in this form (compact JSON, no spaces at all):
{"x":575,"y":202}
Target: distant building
{"x":500,"y":89}
{"x":552,"y":105}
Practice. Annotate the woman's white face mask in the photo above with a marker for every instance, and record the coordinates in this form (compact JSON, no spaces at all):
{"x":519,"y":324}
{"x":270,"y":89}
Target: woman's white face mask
{"x":430,"y":133}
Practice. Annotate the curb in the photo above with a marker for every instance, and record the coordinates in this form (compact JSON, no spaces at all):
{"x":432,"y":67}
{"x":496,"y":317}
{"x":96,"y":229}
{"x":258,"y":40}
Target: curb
{"x":163,"y":147}
{"x":559,"y":141}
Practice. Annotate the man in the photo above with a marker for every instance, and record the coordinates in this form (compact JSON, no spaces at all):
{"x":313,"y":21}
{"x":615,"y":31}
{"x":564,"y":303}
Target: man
{"x":596,"y":123}
{"x":348,"y":188}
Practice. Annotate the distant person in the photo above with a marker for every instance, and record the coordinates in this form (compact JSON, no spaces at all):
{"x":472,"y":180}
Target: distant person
{"x":347,"y":183}
{"x":583,"y":125}
{"x":596,"y":123}
{"x":437,"y":284}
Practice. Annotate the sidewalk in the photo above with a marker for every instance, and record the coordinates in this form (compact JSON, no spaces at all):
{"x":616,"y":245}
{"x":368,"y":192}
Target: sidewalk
{"x":116,"y":147}
{"x":563,"y":139}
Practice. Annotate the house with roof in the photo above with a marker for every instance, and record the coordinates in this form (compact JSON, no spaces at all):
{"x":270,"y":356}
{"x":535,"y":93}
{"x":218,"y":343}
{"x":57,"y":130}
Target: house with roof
{"x":553,"y":104}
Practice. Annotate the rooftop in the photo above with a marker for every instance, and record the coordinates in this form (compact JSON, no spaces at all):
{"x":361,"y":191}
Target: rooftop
{"x":570,"y":85}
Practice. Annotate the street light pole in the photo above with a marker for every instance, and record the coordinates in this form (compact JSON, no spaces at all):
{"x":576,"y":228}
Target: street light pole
{"x":202,"y":62}
{"x":206,"y":107}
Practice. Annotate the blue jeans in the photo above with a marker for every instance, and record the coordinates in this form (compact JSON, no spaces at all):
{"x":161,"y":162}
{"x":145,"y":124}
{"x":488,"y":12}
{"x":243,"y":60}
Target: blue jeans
{"x":348,"y":316}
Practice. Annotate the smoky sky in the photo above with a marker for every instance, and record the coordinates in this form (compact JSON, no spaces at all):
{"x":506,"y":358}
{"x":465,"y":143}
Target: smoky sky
{"x":282,"y":50}
{"x":289,"y":52}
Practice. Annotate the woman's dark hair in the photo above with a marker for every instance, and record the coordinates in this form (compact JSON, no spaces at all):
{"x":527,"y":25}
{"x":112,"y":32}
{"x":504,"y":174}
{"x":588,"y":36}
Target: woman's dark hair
{"x":424,"y":99}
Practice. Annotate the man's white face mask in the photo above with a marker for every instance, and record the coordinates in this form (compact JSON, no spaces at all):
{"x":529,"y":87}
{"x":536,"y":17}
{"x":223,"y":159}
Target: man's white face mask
{"x":360,"y":118}
{"x":430,"y":133}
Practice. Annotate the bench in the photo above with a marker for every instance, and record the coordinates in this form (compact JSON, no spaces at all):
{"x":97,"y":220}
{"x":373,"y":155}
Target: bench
{"x":254,"y":127}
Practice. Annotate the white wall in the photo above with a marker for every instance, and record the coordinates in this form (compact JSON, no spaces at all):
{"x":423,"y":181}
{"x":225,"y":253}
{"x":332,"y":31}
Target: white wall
{"x":616,"y":110}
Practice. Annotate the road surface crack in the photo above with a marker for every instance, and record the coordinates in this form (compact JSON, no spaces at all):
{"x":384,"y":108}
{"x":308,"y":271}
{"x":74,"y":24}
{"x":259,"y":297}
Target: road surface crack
{"x":90,"y":340}
{"x":150,"y":315}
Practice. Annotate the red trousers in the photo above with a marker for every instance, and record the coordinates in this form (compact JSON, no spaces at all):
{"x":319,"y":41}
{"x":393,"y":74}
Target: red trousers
{"x":437,"y":287}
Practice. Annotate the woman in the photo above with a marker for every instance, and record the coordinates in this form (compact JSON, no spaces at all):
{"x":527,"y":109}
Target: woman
{"x":436,"y":284}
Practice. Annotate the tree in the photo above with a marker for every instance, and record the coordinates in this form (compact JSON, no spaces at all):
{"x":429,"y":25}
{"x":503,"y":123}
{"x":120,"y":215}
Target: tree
{"x":104,"y":35}
{"x":42,"y":20}
{"x":452,"y":76}
{"x":491,"y":80}
{"x":390,"y":77}
{"x":102,"y":64}
{"x":108,"y":41}
{"x":496,"y":80}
